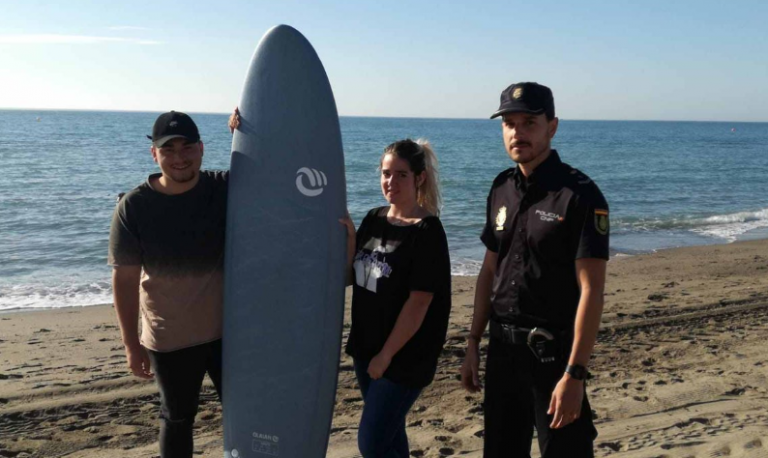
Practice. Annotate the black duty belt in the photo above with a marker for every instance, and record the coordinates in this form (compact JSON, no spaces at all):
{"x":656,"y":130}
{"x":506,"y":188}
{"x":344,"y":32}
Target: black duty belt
{"x":542,"y":343}
{"x":509,"y":334}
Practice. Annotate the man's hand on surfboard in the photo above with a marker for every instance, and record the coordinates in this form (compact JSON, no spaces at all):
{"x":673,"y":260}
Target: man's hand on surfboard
{"x":234,"y":120}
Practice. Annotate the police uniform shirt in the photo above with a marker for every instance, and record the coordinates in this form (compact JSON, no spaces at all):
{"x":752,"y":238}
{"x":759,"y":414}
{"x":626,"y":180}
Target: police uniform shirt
{"x":539,"y":226}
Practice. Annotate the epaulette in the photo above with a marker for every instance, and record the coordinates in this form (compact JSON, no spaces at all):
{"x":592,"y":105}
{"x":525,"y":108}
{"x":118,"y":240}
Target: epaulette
{"x":503,"y":176}
{"x":579,"y":177}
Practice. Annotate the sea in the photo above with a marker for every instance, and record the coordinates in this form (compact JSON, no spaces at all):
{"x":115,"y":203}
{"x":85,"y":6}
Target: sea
{"x":668,"y":184}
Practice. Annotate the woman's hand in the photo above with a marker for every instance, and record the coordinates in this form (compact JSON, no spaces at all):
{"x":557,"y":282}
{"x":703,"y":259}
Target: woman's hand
{"x":378,"y":366}
{"x":350,"y":226}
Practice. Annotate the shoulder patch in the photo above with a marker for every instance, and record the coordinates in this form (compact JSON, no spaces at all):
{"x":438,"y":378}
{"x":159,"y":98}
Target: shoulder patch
{"x":601,"y":221}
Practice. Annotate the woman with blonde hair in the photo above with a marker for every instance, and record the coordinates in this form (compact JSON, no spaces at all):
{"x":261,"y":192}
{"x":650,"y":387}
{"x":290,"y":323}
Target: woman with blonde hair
{"x":400,"y":271}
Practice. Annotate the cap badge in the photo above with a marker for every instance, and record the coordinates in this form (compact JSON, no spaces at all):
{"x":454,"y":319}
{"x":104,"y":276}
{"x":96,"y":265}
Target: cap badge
{"x":517,"y":93}
{"x":501,"y":218}
{"x":173,"y":123}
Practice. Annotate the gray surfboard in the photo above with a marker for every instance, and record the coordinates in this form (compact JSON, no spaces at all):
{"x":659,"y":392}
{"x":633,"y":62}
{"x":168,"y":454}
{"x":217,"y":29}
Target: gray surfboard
{"x":285,"y":256}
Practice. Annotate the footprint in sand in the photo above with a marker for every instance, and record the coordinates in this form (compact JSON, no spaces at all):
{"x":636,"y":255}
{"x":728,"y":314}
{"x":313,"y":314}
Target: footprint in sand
{"x":736,"y":392}
{"x":476,"y":409}
{"x":10,"y":376}
{"x":755,"y":443}
{"x":613,"y":446}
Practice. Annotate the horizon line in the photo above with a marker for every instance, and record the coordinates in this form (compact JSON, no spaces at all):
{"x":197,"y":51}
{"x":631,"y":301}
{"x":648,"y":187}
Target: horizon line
{"x":97,"y":110}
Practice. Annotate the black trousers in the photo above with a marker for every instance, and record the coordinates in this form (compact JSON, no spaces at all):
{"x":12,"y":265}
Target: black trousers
{"x":179,"y":376}
{"x":518,"y":389}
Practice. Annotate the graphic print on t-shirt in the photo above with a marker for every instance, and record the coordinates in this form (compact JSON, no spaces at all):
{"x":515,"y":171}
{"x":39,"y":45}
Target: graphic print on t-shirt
{"x":370,"y":264}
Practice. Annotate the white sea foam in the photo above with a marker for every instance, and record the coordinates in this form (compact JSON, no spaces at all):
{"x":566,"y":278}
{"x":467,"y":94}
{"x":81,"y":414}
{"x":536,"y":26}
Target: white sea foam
{"x":464,"y":267}
{"x":729,"y":227}
{"x":37,"y":296}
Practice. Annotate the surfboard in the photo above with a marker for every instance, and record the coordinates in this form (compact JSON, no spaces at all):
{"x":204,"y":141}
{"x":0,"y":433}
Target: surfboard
{"x":284,"y":257}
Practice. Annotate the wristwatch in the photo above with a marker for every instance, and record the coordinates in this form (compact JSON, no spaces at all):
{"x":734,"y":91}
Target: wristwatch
{"x":577,"y":371}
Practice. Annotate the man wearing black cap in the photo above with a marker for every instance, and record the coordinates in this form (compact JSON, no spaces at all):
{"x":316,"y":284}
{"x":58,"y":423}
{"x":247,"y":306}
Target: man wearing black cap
{"x":541,"y":287}
{"x":166,"y":246}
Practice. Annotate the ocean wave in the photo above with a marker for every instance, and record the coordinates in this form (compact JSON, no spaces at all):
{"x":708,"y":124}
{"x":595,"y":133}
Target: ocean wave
{"x":41,"y":296}
{"x":727,"y":226}
{"x":465,"y":267}
{"x":731,"y":226}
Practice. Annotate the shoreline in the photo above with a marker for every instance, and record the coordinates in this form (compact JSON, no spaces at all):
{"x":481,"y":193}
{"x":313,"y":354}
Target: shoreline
{"x":758,"y":234}
{"x":460,"y":263}
{"x":678,"y":371}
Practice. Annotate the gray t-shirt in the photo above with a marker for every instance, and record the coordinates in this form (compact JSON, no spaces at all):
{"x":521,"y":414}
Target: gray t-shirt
{"x":179,"y":242}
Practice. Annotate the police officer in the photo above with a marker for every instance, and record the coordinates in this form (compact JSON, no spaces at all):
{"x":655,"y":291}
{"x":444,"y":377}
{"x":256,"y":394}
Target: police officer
{"x":541,"y":286}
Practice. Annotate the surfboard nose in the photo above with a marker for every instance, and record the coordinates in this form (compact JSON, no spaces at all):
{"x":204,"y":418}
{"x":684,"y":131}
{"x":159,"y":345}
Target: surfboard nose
{"x":285,"y":34}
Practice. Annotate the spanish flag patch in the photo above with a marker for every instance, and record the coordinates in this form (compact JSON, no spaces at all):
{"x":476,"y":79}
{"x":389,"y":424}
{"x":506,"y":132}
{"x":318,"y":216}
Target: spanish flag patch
{"x":601,"y":221}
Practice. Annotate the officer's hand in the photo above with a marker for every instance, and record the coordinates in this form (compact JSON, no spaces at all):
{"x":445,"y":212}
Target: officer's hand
{"x":470,"y":368}
{"x":565,"y":405}
{"x":378,"y":366}
{"x":138,"y":362}
{"x":234,"y":120}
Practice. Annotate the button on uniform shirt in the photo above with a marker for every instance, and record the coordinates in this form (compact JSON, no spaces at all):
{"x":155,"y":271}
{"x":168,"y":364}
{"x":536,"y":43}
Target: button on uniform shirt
{"x":539,"y":226}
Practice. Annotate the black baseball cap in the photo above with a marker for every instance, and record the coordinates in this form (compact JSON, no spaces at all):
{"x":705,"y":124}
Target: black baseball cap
{"x":530,"y":98}
{"x":173,"y":124}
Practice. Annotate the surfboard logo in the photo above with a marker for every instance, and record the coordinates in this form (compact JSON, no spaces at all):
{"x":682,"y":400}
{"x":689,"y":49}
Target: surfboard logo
{"x":316,"y":178}
{"x":266,"y":444}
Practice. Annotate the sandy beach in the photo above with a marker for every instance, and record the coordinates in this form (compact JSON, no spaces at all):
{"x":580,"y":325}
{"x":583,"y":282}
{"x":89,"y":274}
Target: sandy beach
{"x":679,"y":370}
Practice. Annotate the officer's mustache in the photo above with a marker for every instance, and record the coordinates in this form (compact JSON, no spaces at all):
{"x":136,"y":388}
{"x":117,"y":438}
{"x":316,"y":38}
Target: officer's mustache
{"x":518,"y":144}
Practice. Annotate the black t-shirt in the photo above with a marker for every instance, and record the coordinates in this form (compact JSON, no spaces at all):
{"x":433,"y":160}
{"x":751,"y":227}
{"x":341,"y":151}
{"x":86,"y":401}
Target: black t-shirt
{"x":540,"y":226}
{"x":172,"y":234}
{"x":390,"y":262}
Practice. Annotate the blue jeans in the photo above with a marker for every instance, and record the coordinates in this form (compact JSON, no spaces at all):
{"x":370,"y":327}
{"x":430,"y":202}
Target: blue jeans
{"x":382,"y":426}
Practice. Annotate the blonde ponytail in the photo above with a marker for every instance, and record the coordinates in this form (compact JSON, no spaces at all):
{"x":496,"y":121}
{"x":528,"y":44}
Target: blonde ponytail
{"x":428,"y":194}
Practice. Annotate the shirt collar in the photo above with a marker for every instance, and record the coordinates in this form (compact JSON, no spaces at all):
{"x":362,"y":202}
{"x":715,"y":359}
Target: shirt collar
{"x":543,"y":173}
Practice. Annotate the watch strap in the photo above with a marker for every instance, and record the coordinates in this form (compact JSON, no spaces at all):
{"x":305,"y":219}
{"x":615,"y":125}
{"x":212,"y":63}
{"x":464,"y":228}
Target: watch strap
{"x":576,"y":371}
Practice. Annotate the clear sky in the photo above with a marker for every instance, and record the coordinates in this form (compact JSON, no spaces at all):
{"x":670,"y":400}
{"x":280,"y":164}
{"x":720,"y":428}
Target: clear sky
{"x":666,"y":60}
